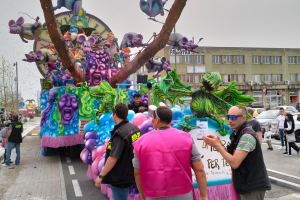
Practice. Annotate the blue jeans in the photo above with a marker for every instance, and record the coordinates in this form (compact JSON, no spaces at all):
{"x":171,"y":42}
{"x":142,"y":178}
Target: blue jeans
{"x":119,"y":193}
{"x":10,"y":146}
{"x":281,"y":136}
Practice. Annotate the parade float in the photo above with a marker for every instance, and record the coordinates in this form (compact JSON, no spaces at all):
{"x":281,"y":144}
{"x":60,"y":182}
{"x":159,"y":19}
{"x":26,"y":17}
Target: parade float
{"x":86,"y":72}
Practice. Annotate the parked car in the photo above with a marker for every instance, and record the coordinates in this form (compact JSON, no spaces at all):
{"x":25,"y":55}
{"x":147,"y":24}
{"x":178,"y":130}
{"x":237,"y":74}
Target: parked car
{"x":257,"y":111}
{"x":266,"y":118}
{"x":257,"y":104}
{"x":296,"y":105}
{"x":296,"y":117}
{"x":290,"y":109}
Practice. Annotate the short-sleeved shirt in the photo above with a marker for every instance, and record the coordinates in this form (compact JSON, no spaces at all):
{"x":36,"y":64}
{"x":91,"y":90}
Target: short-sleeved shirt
{"x":255,"y":125}
{"x":195,"y":155}
{"x":135,"y":108}
{"x":281,"y":119}
{"x":247,"y":143}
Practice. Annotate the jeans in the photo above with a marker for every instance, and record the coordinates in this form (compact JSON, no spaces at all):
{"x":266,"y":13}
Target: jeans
{"x":281,"y":136}
{"x":119,"y":193}
{"x":10,"y":146}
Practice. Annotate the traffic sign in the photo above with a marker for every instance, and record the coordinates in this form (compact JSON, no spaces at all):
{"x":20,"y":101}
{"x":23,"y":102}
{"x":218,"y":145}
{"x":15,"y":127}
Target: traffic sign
{"x":22,"y":104}
{"x":264,"y":90}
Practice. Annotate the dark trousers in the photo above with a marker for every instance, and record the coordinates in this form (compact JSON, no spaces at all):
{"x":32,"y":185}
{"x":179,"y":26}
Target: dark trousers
{"x":294,"y":146}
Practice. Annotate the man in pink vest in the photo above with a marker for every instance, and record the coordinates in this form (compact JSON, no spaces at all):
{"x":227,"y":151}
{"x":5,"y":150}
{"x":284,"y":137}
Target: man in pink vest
{"x":163,"y":159}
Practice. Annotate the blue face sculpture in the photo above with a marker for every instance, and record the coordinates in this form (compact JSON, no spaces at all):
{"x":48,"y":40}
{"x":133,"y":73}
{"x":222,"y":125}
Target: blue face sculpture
{"x":67,"y":105}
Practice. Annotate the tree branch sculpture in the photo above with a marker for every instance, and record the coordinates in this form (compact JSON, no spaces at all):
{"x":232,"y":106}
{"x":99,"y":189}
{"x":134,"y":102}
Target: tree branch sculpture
{"x":67,"y":57}
{"x":57,"y":38}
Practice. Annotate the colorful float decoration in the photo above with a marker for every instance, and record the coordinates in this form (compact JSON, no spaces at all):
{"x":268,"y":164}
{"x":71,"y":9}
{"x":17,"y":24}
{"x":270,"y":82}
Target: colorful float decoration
{"x":100,"y":57}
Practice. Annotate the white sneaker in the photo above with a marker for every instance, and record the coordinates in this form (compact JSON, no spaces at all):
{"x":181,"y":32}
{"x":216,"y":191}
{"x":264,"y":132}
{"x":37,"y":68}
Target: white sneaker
{"x":299,"y":153}
{"x":281,"y":148}
{"x":287,"y":155}
{"x":5,"y":165}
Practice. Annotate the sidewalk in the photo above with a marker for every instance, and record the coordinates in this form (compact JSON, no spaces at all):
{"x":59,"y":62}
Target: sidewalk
{"x":27,"y":127}
{"x":37,"y":177}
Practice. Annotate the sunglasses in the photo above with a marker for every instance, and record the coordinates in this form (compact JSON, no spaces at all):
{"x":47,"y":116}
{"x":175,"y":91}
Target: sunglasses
{"x":233,"y":117}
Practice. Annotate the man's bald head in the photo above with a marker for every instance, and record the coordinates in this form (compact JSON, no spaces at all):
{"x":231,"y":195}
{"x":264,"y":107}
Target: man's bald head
{"x":240,"y":114}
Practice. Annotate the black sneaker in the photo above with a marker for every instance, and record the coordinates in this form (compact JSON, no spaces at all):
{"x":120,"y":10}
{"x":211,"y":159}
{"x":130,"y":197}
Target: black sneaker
{"x":271,"y":149}
{"x":268,"y":148}
{"x":285,"y":153}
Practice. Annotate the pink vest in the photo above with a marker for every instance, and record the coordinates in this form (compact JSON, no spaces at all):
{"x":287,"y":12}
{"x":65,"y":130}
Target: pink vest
{"x":161,"y":174}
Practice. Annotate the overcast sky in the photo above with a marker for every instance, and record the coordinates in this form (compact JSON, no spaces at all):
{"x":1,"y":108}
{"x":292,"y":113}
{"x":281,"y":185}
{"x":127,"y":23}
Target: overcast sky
{"x":232,"y":23}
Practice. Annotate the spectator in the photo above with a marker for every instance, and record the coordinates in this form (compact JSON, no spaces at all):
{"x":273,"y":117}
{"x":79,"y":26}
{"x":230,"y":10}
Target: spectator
{"x":14,"y":139}
{"x":171,"y":149}
{"x":289,"y":136}
{"x":280,"y":128}
{"x":249,"y":174}
{"x":267,"y":138}
{"x":137,"y":106}
{"x":3,"y":135}
{"x":255,"y":125}
{"x":118,"y":169}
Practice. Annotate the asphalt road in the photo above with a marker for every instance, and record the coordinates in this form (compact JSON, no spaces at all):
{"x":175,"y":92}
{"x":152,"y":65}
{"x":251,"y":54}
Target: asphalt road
{"x":78,"y":185}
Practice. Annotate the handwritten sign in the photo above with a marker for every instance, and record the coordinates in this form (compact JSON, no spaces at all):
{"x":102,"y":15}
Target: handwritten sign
{"x":202,"y":129}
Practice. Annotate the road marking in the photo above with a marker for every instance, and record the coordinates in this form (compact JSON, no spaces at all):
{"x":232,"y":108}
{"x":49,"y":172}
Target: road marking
{"x":296,"y":195}
{"x":284,"y":181}
{"x":292,"y":176}
{"x":77,"y":189}
{"x":71,"y":170}
{"x":68,"y":159}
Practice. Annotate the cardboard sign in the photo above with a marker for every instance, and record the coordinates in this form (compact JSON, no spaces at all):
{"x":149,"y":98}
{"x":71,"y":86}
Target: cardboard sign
{"x":202,"y":129}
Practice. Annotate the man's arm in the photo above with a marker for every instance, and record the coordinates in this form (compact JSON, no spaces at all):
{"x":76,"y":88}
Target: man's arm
{"x":259,"y":135}
{"x":277,"y":126}
{"x":7,"y":136}
{"x":110,"y":163}
{"x":201,"y":179}
{"x":138,"y":182}
{"x":233,"y":160}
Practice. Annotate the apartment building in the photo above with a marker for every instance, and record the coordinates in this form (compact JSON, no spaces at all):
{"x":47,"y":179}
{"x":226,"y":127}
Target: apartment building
{"x":278,"y":69}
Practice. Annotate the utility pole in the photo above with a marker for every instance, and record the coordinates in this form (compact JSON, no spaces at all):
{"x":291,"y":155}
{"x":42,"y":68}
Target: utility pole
{"x":16,"y":79}
{"x":3,"y":78}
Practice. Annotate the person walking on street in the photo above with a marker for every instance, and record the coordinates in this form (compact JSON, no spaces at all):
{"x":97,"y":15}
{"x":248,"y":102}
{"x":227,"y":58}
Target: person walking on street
{"x":289,"y":127}
{"x":268,"y":138}
{"x":163,"y":160}
{"x":244,"y":155}
{"x":118,"y":169}
{"x":13,"y":140}
{"x":3,"y":135}
{"x":255,"y":125}
{"x":280,"y":127}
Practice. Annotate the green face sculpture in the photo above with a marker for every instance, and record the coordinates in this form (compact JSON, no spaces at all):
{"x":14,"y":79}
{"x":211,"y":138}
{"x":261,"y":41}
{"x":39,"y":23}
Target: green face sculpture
{"x":211,"y":81}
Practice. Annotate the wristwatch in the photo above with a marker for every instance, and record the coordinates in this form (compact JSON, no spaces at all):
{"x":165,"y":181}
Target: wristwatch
{"x":101,"y":176}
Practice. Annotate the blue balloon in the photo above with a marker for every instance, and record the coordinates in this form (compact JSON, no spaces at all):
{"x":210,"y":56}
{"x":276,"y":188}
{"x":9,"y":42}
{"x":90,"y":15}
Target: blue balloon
{"x":146,"y":113}
{"x":130,"y":116}
{"x":187,"y":111}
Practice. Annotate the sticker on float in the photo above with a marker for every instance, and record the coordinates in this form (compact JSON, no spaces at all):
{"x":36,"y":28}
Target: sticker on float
{"x":217,"y":170}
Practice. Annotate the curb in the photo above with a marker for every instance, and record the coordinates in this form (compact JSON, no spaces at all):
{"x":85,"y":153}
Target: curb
{"x":284,"y":176}
{"x":285,"y":183}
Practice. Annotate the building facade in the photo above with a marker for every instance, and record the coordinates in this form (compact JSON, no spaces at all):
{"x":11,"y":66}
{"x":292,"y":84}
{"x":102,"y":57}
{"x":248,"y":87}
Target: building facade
{"x":277,"y":69}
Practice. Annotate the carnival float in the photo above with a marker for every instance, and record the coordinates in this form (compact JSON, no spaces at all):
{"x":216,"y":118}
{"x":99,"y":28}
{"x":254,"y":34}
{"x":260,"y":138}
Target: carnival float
{"x":86,"y":71}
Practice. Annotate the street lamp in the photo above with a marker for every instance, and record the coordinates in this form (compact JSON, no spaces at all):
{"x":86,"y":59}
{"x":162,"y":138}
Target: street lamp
{"x":16,"y":79}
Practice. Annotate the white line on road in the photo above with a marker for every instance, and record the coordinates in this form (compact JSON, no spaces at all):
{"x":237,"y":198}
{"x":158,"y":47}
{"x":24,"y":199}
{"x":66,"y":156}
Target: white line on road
{"x":296,"y":195}
{"x":71,"y":170}
{"x":281,"y":173}
{"x":77,"y":189}
{"x":68,"y":159}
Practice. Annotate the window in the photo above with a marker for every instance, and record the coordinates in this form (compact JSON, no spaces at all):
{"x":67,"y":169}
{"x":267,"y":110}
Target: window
{"x":187,"y":59}
{"x":256,"y":59}
{"x":199,"y":59}
{"x":266,"y":59}
{"x":217,"y":59}
{"x":240,"y":78}
{"x":293,"y":77}
{"x":298,"y":59}
{"x":256,"y":78}
{"x":228,"y":59}
{"x":186,"y":78}
{"x":276,"y":59}
{"x":198,"y":69}
{"x":227,"y":78}
{"x":267,"y":77}
{"x":198,"y":78}
{"x":292,"y":60}
{"x":239,"y":59}
{"x":277,"y":77}
{"x":172,"y":59}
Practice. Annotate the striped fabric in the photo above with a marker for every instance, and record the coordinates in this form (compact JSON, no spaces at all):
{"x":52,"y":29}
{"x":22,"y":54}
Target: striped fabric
{"x":247,"y":143}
